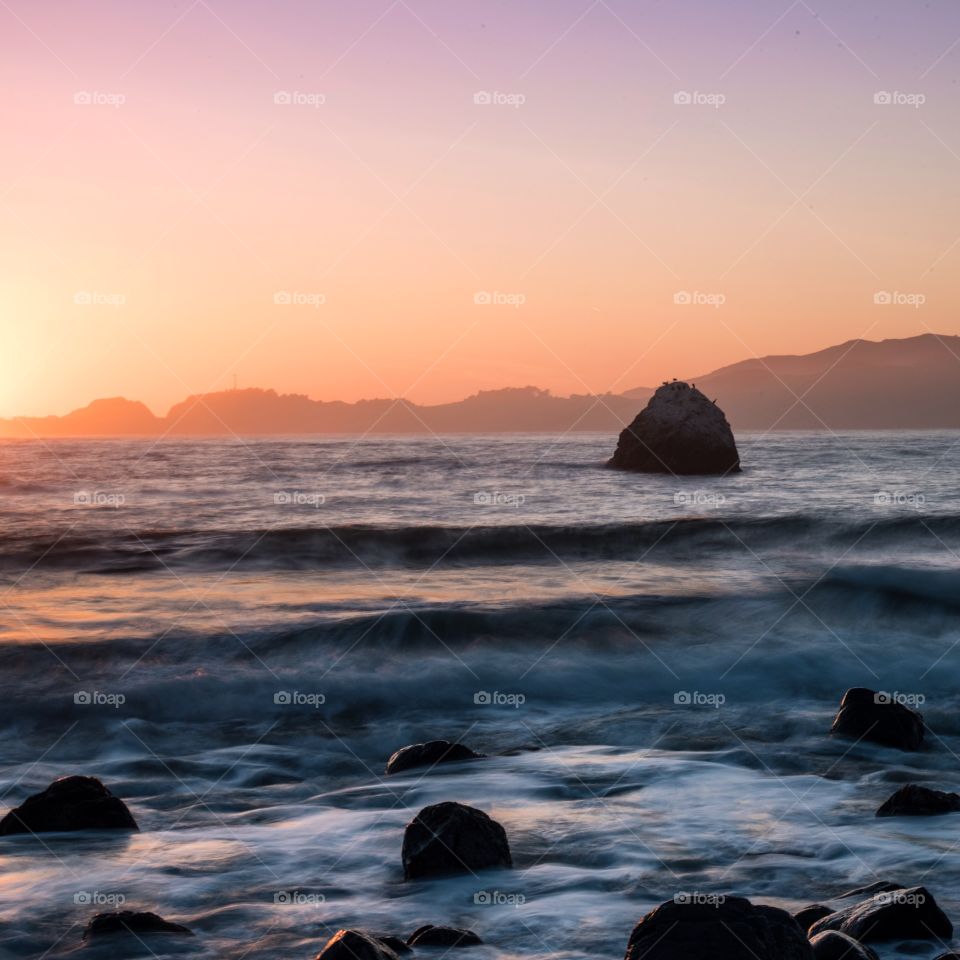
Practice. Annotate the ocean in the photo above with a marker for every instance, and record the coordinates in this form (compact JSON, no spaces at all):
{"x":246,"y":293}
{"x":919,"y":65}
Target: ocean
{"x":235,"y":636}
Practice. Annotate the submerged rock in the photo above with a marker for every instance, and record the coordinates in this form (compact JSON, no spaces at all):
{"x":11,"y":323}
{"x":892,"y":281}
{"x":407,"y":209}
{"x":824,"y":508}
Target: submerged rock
{"x":453,"y":838}
{"x":910,"y":913}
{"x":733,"y":929}
{"x":71,"y":803}
{"x":810,"y":915}
{"x":833,"y":945}
{"x":355,"y":945}
{"x":867,"y":715}
{"x":430,"y":936}
{"x":133,"y":922}
{"x":680,"y":431}
{"x":429,"y":754}
{"x":916,"y":801}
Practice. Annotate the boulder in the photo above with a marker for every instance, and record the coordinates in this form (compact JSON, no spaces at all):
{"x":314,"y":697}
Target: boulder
{"x":133,"y":922}
{"x":71,"y":803}
{"x":453,"y":838}
{"x":810,"y":915}
{"x":910,"y":913}
{"x":396,"y":944}
{"x":355,"y":945}
{"x":916,"y":801}
{"x":429,"y":754}
{"x":730,"y":929}
{"x":431,"y":936}
{"x":832,"y":945}
{"x":878,"y":886}
{"x":867,"y":715}
{"x":680,"y":431}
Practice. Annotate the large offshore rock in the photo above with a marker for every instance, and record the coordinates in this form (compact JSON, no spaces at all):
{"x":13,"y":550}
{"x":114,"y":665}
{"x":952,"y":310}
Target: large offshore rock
{"x":71,"y":803}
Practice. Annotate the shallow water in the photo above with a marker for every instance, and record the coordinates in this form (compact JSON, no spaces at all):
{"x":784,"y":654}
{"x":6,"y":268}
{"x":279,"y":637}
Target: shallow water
{"x":652,"y":664}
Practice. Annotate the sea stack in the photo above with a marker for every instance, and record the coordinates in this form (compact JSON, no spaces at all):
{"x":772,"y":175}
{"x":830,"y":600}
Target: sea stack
{"x":680,"y":431}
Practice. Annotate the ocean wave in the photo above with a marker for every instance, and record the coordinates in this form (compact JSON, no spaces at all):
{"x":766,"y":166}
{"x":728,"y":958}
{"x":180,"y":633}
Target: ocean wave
{"x":317,"y":546}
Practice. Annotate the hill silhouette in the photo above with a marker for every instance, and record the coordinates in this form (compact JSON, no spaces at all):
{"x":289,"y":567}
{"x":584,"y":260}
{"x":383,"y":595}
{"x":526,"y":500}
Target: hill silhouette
{"x":911,"y":383}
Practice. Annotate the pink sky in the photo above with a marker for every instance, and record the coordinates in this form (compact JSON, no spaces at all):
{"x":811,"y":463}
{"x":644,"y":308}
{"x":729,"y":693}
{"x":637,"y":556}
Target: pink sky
{"x":148,"y":234}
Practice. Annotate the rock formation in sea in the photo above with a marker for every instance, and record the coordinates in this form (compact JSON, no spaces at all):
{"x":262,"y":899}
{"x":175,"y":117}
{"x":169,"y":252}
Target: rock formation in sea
{"x":680,"y":431}
{"x":453,"y":838}
{"x":132,"y":922}
{"x":731,"y":928}
{"x":429,"y":754}
{"x":916,"y":801}
{"x":430,"y":936}
{"x":71,"y":803}
{"x":355,"y":945}
{"x":910,"y":913}
{"x":868,"y":715}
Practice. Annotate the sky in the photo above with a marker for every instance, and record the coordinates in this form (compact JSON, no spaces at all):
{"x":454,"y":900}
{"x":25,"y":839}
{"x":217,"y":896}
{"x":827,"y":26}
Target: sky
{"x":426,"y":198}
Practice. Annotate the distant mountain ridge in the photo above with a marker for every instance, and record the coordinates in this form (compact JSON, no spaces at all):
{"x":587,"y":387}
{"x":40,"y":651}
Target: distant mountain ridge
{"x":911,"y":383}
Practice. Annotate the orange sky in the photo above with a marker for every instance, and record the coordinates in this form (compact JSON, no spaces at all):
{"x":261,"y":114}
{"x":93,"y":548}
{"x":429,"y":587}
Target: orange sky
{"x":157,"y":199}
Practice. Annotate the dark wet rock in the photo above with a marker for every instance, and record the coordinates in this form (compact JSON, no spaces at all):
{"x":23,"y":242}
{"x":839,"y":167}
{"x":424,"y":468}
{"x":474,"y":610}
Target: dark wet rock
{"x":355,"y":945}
{"x":680,"y":431}
{"x":733,"y":929}
{"x":910,"y":913}
{"x":71,"y":803}
{"x":833,"y":945}
{"x":453,"y":838}
{"x":916,"y":801}
{"x":948,"y":956}
{"x":396,"y":944}
{"x":430,"y":936}
{"x":867,"y":715}
{"x":429,"y":754}
{"x":133,"y":922}
{"x":810,"y":915}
